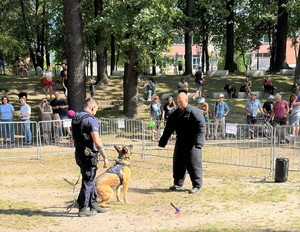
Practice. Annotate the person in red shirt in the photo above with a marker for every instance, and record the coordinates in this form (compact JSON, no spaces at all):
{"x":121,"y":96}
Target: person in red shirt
{"x":279,"y":115}
{"x":268,"y":86}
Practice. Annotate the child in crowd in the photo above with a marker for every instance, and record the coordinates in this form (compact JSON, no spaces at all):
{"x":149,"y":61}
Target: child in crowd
{"x":57,"y":128}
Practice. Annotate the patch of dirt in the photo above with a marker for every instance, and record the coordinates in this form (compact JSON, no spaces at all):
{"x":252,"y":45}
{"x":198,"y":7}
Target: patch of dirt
{"x":149,"y":208}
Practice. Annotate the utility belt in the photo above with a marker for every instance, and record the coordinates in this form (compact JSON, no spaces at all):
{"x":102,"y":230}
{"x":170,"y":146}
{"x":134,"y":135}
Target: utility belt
{"x":93,"y":155}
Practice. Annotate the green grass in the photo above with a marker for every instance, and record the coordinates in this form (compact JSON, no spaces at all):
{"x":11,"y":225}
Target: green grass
{"x":111,"y":96}
{"x":22,"y":215}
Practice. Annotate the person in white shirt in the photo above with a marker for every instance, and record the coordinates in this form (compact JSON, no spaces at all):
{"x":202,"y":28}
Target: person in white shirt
{"x":25,"y":112}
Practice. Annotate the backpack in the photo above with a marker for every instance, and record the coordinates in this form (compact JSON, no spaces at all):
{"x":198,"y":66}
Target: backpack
{"x":77,"y":129}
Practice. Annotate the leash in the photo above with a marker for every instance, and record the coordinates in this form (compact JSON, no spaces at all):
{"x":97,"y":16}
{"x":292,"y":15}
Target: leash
{"x":70,"y":207}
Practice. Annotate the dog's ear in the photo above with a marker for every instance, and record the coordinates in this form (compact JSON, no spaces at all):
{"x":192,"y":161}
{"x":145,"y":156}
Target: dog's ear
{"x":130,"y":147}
{"x":117,"y":148}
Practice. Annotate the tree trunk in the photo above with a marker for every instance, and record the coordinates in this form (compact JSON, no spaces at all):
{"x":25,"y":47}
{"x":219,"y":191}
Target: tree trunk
{"x":100,"y":49}
{"x":118,"y":56}
{"x":206,"y":52}
{"x":229,"y":57}
{"x":188,"y":40}
{"x":153,"y":67}
{"x":27,"y":36}
{"x":113,"y":54}
{"x":43,"y":37}
{"x":297,"y":70}
{"x":281,"y":37}
{"x":74,"y":45}
{"x":205,"y":55}
{"x":130,"y":84}
{"x":91,"y":61}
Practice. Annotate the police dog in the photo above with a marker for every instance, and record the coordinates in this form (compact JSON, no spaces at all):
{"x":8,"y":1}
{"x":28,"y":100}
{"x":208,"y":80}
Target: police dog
{"x":116,"y":176}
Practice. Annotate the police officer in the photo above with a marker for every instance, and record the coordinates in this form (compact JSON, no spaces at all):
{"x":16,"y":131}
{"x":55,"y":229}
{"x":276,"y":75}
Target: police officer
{"x":189,"y":124}
{"x":85,"y":128}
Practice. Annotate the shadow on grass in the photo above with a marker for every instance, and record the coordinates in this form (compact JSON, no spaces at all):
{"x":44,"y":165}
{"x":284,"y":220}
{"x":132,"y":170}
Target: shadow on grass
{"x":156,"y":190}
{"x":30,"y":213}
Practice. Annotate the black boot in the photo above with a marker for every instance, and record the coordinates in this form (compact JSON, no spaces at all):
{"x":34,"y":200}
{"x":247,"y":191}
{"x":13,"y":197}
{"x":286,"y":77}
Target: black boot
{"x":84,"y":212}
{"x":97,"y":209}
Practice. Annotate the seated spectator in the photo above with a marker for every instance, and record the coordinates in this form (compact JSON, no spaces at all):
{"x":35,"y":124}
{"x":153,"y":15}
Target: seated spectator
{"x":21,"y":68}
{"x":150,"y":89}
{"x":181,"y":83}
{"x":248,"y":86}
{"x":267,"y":86}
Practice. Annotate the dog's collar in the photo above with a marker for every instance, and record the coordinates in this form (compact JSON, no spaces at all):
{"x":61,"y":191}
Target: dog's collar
{"x":119,"y":162}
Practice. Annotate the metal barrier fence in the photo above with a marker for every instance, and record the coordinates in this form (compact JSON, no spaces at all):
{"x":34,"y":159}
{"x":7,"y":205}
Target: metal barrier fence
{"x":232,"y":144}
{"x":287,"y":145}
{"x":14,"y":138}
{"x":54,"y":137}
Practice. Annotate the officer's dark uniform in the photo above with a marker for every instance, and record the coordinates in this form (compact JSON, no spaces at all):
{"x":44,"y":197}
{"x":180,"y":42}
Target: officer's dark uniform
{"x":190,"y":129}
{"x":82,"y":139}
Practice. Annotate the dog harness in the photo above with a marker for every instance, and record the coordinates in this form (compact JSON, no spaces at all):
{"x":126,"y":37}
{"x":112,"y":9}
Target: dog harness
{"x":116,"y":169}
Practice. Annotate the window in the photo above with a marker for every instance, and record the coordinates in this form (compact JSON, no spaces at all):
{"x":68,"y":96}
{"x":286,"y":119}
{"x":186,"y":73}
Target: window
{"x":196,"y":62}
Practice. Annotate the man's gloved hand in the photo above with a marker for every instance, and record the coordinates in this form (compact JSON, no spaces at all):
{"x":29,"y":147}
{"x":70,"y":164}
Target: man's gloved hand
{"x":161,"y":145}
{"x":199,"y":146}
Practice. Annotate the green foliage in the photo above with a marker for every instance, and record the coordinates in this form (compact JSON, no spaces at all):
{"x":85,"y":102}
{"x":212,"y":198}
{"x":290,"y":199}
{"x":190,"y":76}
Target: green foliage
{"x":145,"y":26}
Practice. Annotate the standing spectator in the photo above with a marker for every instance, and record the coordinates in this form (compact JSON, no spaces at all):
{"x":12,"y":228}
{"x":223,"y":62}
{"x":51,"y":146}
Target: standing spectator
{"x":297,"y":86}
{"x":85,"y":129}
{"x":248,"y":86}
{"x":46,"y":112}
{"x":221,"y":109}
{"x":204,"y":107}
{"x":156,"y":116}
{"x":150,"y":89}
{"x":279,"y":115}
{"x":64,"y":79}
{"x":268,"y":106}
{"x":189,"y":124}
{"x":180,"y":67}
{"x":251,"y":110}
{"x":25,"y":112}
{"x":60,"y":106}
{"x":48,"y":82}
{"x":168,"y":108}
{"x":295,"y":114}
{"x":6,"y":116}
{"x":199,"y":82}
{"x":57,"y":128}
{"x":2,"y":62}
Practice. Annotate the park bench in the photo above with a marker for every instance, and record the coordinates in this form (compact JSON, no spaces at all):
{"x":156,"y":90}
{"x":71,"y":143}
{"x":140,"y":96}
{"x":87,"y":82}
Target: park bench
{"x":217,"y":73}
{"x":289,"y":72}
{"x":244,"y":94}
{"x":216,"y":94}
{"x":254,"y":73}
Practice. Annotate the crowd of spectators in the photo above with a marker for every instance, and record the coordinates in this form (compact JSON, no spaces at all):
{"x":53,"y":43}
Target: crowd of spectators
{"x":274,"y":110}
